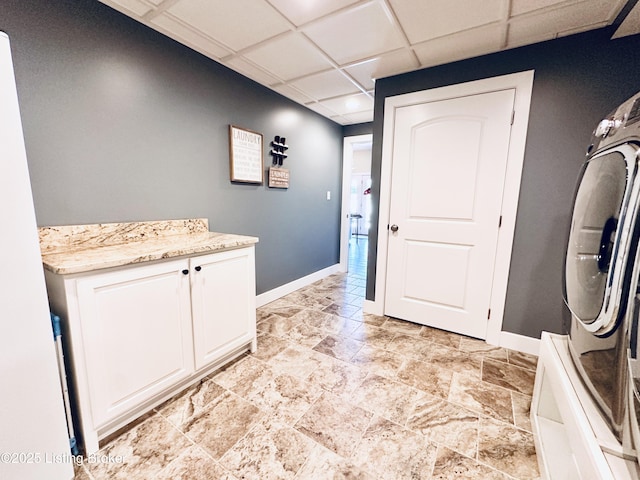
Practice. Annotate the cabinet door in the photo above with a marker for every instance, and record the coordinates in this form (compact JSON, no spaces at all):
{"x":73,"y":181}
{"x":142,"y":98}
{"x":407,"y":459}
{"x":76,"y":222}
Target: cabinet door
{"x":136,"y":330}
{"x":223,"y":303}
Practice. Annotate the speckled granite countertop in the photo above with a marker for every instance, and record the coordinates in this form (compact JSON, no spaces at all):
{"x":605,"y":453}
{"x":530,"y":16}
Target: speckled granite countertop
{"x":83,"y":248}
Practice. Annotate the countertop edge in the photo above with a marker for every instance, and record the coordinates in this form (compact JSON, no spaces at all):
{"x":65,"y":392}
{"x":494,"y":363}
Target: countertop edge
{"x":91,"y":259}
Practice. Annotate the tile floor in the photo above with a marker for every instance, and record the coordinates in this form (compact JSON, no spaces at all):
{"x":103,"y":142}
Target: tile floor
{"x":333,"y":393}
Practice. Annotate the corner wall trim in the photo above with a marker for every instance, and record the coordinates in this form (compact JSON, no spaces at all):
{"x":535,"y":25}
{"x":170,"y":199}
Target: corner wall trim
{"x":286,"y":289}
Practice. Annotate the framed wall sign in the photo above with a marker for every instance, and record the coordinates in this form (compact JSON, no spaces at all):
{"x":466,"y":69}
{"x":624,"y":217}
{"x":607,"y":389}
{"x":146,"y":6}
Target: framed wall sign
{"x":245,"y":155}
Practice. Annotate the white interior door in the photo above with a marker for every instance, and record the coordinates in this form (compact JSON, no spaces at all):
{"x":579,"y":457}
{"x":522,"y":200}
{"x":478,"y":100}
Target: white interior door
{"x":448,"y":173}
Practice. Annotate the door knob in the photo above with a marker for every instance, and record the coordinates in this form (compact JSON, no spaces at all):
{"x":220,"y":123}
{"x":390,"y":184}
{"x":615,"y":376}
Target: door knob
{"x":394,"y":228}
{"x":198,"y":268}
{"x":185,"y":272}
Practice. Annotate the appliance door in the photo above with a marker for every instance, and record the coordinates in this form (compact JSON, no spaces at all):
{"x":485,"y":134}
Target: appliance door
{"x":597,"y":257}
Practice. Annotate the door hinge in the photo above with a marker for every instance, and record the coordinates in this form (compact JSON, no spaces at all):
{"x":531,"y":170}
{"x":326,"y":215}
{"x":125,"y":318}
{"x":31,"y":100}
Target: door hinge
{"x":500,"y":221}
{"x":513,"y":116}
{"x":489,"y":314}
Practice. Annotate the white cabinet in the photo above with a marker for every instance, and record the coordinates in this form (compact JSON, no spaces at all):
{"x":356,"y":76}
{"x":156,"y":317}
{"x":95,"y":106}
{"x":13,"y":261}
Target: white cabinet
{"x":139,"y":334}
{"x":222,"y":303}
{"x":136,"y":334}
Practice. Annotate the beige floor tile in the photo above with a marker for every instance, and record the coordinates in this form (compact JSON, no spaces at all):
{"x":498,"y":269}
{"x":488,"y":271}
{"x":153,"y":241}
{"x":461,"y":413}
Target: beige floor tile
{"x":411,"y":346}
{"x":144,"y":450}
{"x":426,"y":377}
{"x":278,"y":308}
{"x":508,"y":376}
{"x":372,"y":336}
{"x":335,"y":424}
{"x":194,"y":463}
{"x":191,"y":402}
{"x":322,"y":463}
{"x":245,"y":377}
{"x":371,"y":319}
{"x":342,"y":348}
{"x":226,"y":421}
{"x":380,"y":362}
{"x":276,"y":325}
{"x":401,"y":326}
{"x":331,"y":324}
{"x":269,"y":450}
{"x":481,"y":397}
{"x":338,"y":377}
{"x":451,"y":465}
{"x":286,"y":398}
{"x":305,"y":300}
{"x":269,"y":346}
{"x":80,"y":473}
{"x":391,"y":452}
{"x":296,"y":360}
{"x":387,"y":398}
{"x":435,"y":335}
{"x":508,"y":449}
{"x":483,"y":349}
{"x":447,"y":424}
{"x":455,"y":360}
{"x":524,"y":360}
{"x":522,"y":410}
{"x":342,"y":309}
{"x":305,"y":335}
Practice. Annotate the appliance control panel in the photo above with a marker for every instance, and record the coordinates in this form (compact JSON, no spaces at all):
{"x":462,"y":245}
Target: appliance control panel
{"x":620,"y":125}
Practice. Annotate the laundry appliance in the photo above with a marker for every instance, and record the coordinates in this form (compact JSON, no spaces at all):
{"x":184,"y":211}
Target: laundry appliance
{"x":600,"y":261}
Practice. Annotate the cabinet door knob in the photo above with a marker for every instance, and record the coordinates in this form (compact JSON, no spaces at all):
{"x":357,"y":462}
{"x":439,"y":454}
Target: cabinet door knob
{"x":198,"y":268}
{"x":185,"y":272}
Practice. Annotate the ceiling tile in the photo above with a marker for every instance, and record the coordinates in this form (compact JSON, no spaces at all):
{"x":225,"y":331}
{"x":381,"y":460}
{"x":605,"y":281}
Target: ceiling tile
{"x":289,"y":56}
{"x":459,"y":46}
{"x":129,"y":7}
{"x":631,"y":24}
{"x":248,"y":69}
{"x":360,"y":117}
{"x":518,"y":7}
{"x":293,"y":94}
{"x":301,"y":12}
{"x":384,"y":66}
{"x":319,"y":53}
{"x":426,"y":20}
{"x":182,"y":33}
{"x":327,"y":84}
{"x":571,"y":18}
{"x":237,"y":24}
{"x":321,"y":109}
{"x":355,"y":34}
{"x":349,"y":103}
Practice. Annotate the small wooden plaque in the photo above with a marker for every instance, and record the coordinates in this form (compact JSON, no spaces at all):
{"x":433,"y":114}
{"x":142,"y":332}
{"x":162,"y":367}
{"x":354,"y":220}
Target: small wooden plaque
{"x":278,"y":177}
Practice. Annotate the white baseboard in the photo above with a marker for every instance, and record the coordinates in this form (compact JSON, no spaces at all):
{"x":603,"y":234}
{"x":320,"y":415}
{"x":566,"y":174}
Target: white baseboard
{"x":281,"y":291}
{"x":520,"y":343}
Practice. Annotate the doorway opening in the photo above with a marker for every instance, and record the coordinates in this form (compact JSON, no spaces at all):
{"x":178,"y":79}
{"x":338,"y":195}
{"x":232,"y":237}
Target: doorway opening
{"x":356,"y":204}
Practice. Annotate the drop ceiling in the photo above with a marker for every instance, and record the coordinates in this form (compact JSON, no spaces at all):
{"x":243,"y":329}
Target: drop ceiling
{"x":326,"y":54}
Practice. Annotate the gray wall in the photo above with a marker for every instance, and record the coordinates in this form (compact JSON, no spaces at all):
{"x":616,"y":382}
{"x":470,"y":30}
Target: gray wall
{"x":578,"y":80}
{"x":358,"y":129}
{"x":123,"y":124}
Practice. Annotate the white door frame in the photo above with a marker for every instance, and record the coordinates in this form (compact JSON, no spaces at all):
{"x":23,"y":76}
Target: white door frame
{"x":523,"y":84}
{"x":345,"y":224}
